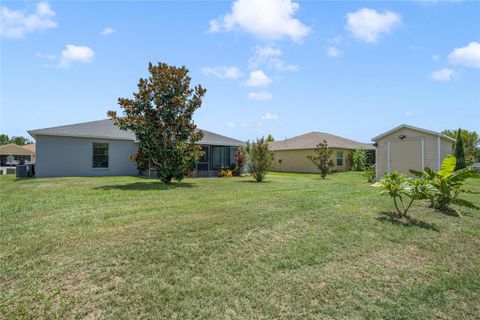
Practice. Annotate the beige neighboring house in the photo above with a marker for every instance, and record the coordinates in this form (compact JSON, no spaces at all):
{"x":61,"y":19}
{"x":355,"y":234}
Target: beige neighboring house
{"x":407,"y":147}
{"x":12,"y":154}
{"x":290,"y":155}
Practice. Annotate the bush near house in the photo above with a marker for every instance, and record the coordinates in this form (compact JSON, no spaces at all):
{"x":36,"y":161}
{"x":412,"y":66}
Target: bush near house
{"x":259,"y":159}
{"x":322,"y":158}
{"x":448,"y":183}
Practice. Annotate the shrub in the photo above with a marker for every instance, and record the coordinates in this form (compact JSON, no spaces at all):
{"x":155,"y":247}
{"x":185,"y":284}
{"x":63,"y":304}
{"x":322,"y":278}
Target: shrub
{"x":370,"y":174}
{"x":225,"y":172}
{"x":404,"y":191}
{"x":240,"y":160}
{"x":448,"y":184}
{"x":322,"y":159}
{"x":359,"y":157}
{"x":259,"y":159}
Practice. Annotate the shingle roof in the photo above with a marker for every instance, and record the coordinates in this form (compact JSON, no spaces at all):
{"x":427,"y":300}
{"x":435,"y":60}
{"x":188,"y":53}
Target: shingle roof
{"x":105,"y":129}
{"x":310,"y":141}
{"x":16,"y":149}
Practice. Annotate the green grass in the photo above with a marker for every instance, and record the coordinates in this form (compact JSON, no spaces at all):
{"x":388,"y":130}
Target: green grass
{"x":292,"y":247}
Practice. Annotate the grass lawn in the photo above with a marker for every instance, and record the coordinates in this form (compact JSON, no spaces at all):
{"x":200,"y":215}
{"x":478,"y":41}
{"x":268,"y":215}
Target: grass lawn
{"x":292,"y":247}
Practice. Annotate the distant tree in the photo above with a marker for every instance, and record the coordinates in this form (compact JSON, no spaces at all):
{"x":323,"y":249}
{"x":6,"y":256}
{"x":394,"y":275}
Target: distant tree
{"x":322,"y":158}
{"x":471,"y":144}
{"x":269,"y":138}
{"x":259,"y":159}
{"x":20,"y":140}
{"x":459,"y":152}
{"x":160,"y":115}
{"x":4,"y":139}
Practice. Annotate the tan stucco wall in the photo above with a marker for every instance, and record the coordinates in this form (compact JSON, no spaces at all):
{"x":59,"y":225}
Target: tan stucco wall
{"x":430,"y":148}
{"x":297,"y":161}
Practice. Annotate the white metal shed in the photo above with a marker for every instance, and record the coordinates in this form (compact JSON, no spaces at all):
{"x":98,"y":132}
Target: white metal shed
{"x":407,"y":147}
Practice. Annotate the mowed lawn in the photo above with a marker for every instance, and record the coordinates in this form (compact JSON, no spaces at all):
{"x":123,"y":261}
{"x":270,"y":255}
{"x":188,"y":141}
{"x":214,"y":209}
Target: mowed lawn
{"x":292,"y":247}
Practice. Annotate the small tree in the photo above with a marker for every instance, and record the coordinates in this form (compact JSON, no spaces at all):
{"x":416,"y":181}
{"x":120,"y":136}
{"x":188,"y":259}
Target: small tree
{"x":259,"y":159}
{"x":459,"y":151}
{"x":4,"y":139}
{"x":160,"y":115}
{"x":270,"y":138}
{"x":322,"y":158}
{"x":359,"y":157}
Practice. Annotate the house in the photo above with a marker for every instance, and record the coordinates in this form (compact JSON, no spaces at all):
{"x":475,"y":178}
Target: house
{"x":290,"y":155}
{"x":407,"y":147}
{"x":13,"y":154}
{"x":100,"y":148}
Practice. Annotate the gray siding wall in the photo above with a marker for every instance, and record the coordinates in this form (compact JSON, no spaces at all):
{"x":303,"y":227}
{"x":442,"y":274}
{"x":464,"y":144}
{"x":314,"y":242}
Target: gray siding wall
{"x":72,"y":157}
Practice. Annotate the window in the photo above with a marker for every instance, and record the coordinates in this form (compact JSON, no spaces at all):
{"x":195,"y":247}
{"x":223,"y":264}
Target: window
{"x":204,"y":157}
{"x":100,"y":155}
{"x":339,"y":158}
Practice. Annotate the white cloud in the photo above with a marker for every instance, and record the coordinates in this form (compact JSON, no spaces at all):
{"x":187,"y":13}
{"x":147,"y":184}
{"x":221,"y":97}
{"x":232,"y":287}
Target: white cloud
{"x":269,"y":56}
{"x":222,"y":72}
{"x":442,"y":74}
{"x":468,"y":56}
{"x":436,"y":57}
{"x":107,"y":31}
{"x":334,"y":52}
{"x":258,"y":78}
{"x":409,"y":113}
{"x":260,"y":95}
{"x":245,"y":124}
{"x":231,"y":124}
{"x":368,"y":24}
{"x":267,"y":19}
{"x":336,"y":40}
{"x":269,"y":116}
{"x":73,"y":53}
{"x":16,"y":23}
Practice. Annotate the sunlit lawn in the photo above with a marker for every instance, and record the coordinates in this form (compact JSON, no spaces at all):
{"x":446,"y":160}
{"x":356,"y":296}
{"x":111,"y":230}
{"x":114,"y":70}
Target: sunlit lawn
{"x":292,"y":247}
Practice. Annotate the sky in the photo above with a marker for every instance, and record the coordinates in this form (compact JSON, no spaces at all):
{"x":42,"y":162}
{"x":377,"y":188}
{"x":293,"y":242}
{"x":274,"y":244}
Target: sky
{"x":281,"y":67}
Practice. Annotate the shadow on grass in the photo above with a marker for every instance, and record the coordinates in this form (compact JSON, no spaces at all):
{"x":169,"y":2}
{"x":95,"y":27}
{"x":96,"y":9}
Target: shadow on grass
{"x":147,"y":186}
{"x":406,"y":221}
{"x":254,"y":181}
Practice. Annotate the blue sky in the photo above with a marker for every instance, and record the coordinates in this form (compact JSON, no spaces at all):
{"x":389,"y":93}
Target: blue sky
{"x":355,"y":69}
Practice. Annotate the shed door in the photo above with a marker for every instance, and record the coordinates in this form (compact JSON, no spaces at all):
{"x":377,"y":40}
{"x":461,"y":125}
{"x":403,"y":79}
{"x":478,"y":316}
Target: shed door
{"x":406,"y":155}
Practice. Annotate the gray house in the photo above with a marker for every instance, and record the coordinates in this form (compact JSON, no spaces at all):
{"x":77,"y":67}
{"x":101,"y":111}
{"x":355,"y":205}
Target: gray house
{"x":99,"y":148}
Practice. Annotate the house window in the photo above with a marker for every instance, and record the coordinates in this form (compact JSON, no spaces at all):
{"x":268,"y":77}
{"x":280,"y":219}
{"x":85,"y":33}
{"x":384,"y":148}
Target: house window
{"x":339,"y":158}
{"x":100,"y":155}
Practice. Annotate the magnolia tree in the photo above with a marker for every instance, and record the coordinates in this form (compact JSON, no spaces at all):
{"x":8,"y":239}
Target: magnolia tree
{"x":160,"y":114}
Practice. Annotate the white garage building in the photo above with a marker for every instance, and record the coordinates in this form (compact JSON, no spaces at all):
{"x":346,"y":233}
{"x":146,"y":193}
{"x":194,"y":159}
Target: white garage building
{"x":407,"y":147}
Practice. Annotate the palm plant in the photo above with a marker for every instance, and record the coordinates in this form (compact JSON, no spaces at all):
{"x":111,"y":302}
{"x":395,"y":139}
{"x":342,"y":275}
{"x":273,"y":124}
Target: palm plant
{"x":449,"y":185}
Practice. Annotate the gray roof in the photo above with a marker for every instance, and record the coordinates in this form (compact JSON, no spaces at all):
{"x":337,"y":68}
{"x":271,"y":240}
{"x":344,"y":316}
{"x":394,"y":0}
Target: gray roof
{"x":311,"y":139}
{"x":105,"y":129}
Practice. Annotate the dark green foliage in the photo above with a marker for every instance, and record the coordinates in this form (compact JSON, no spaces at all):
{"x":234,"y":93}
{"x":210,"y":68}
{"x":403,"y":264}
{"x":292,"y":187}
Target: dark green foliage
{"x":459,"y":151}
{"x":370,"y":173}
{"x":322,"y":158}
{"x":448,"y":184}
{"x":259,"y":159}
{"x":160,"y":115}
{"x":404,"y":191}
{"x":4,"y":139}
{"x":471,"y":144}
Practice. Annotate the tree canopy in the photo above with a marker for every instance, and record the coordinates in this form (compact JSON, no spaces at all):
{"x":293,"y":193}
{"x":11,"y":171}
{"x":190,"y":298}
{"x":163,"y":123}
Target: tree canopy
{"x":19,"y":140}
{"x":160,"y":114}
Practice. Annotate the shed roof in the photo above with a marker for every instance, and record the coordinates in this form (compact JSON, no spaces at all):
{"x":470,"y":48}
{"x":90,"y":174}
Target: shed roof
{"x":311,"y":139}
{"x":106,"y":129}
{"x":17,"y":150}
{"x":441,"y":135}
